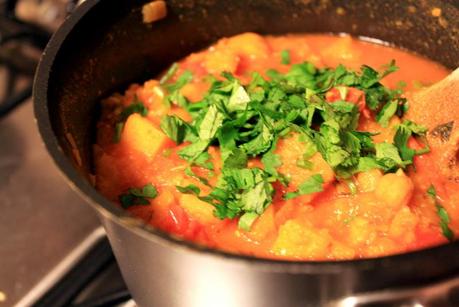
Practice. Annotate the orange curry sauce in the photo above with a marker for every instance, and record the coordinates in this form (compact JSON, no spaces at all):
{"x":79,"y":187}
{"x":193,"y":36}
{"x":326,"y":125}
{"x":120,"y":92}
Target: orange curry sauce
{"x":388,"y":214}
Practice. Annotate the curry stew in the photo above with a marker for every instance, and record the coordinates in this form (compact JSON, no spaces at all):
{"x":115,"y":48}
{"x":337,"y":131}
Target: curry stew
{"x":293,"y":147}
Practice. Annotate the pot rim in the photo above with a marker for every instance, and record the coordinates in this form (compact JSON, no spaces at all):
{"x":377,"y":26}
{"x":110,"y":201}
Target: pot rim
{"x":108,"y":210}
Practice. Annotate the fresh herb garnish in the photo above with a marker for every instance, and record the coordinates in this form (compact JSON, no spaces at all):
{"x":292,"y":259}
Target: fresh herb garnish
{"x":135,"y":107}
{"x":388,"y":156}
{"x":404,"y":131}
{"x":242,"y":191}
{"x":236,"y":159}
{"x":442,"y":214}
{"x":118,"y":130}
{"x":189,"y":172}
{"x":138,"y":196}
{"x":387,"y":112}
{"x":169,"y":74}
{"x":189,"y":189}
{"x":175,"y":97}
{"x":311,"y":185}
{"x":246,"y":121}
{"x":176,"y":129}
{"x":285,"y":57}
{"x":245,"y":192}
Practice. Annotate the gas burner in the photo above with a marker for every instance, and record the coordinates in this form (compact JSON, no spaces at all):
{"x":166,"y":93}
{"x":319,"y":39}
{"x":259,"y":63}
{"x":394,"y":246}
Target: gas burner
{"x":25,"y":28}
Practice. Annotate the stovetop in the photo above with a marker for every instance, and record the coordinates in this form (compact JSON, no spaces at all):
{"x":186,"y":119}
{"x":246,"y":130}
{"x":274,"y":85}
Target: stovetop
{"x":53,"y":250}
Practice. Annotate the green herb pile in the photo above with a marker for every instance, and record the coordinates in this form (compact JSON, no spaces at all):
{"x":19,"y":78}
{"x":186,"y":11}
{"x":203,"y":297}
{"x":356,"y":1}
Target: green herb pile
{"x":246,"y":121}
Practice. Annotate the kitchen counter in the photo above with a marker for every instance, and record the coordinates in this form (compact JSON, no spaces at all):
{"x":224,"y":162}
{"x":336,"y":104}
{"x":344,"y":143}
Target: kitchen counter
{"x":44,"y":225}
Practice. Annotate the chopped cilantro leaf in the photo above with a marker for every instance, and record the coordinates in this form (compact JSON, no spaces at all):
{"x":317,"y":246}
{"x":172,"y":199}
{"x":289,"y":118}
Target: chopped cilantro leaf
{"x":246,"y":220}
{"x":404,"y":131}
{"x":415,"y":128}
{"x":193,"y":151}
{"x":261,"y":143}
{"x":367,"y":163}
{"x":147,"y":191}
{"x":285,"y":57}
{"x":241,"y":191}
{"x":169,"y":74}
{"x":257,"y":198}
{"x":444,"y":221}
{"x":175,"y":97}
{"x":175,"y":128}
{"x":304,"y":163}
{"x":202,"y":160}
{"x":118,"y":130}
{"x":246,"y":121}
{"x":239,"y":99}
{"x":189,"y":172}
{"x":432,"y":192}
{"x":271,"y":161}
{"x":211,"y":122}
{"x":387,"y":112}
{"x":345,"y":113}
{"x":369,"y":77}
{"x":134,"y":107}
{"x":127,"y":200}
{"x":182,"y":80}
{"x":312,"y":185}
{"x":387,"y":155}
{"x":189,"y":189}
{"x":391,"y":67}
{"x":136,"y":196}
{"x":236,"y":159}
{"x":329,"y":143}
{"x":241,"y":179}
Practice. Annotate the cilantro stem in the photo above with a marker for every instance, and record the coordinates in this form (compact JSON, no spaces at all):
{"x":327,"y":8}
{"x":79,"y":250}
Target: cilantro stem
{"x":442,"y":214}
{"x":169,"y":74}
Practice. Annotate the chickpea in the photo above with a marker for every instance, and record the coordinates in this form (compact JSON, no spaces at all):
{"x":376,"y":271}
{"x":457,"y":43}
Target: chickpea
{"x":395,"y":189}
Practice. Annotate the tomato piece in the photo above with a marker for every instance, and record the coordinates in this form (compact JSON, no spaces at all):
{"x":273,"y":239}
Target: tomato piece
{"x":352,"y":95}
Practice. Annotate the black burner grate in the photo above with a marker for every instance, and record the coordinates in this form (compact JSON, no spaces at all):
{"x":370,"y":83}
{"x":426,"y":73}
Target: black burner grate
{"x":94,"y":282}
{"x":21,"y":44}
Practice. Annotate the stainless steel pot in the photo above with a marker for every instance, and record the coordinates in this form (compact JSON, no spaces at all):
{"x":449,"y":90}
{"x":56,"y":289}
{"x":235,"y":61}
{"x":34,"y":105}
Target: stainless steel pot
{"x":104,"y":46}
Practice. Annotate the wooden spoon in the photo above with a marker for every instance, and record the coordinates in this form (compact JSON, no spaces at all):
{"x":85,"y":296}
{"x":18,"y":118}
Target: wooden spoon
{"x":437,"y":108}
